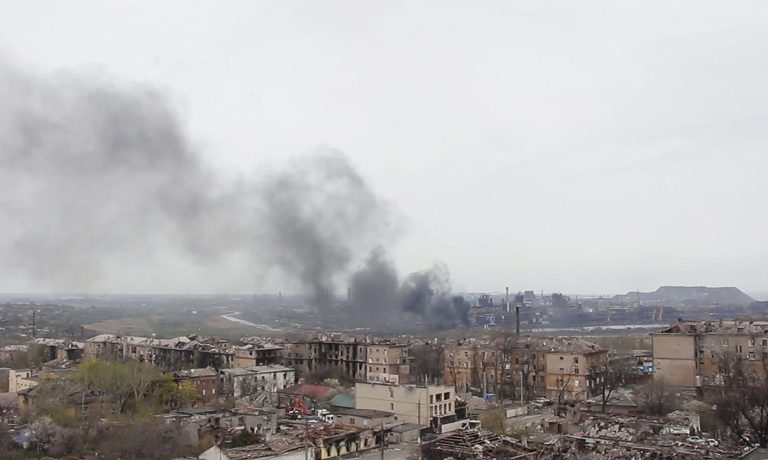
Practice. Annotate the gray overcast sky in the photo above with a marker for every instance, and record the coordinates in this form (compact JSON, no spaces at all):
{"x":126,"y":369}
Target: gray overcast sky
{"x":585,"y":147}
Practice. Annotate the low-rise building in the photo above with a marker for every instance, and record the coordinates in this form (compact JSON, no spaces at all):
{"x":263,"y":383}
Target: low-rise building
{"x":366,"y":418}
{"x":245,"y":381}
{"x":205,"y":381}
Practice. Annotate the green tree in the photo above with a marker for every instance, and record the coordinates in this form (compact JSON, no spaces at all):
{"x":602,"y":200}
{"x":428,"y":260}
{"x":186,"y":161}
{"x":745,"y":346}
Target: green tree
{"x":173,"y":395}
{"x":119,"y":382}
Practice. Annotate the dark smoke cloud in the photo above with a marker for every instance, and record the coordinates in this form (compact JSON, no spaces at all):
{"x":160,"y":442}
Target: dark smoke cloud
{"x":374,"y":287}
{"x":428,"y":294}
{"x":101,"y":187}
{"x":425,"y":294}
{"x":317,"y":215}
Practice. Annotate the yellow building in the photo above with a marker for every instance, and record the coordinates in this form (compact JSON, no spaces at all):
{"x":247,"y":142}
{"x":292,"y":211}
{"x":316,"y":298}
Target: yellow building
{"x":409,"y":403}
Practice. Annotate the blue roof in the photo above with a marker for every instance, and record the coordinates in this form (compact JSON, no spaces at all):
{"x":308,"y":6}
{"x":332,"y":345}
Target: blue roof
{"x":343,"y":400}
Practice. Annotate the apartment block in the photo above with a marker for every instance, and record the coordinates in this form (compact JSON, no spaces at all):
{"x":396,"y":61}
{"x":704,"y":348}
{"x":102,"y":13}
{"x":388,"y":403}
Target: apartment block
{"x":541,"y":366}
{"x":574,"y":370}
{"x":387,"y":363}
{"x":706,"y":354}
{"x":347,"y":357}
{"x":167,"y":354}
{"x":257,"y":354}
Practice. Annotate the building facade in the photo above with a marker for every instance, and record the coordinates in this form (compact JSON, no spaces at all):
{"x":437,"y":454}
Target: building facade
{"x":704,"y":355}
{"x":410,"y":403}
{"x":388,"y":363}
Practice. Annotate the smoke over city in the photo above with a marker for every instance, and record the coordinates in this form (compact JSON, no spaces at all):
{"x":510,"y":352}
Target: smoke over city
{"x":426,"y":294}
{"x":315,"y":216}
{"x":103,"y":189}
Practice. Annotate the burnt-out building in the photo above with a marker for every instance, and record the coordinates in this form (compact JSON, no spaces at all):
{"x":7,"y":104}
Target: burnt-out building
{"x":343,"y":357}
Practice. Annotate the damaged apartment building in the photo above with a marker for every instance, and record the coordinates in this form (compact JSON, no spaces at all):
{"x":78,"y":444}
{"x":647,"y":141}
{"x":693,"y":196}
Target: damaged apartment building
{"x":699,"y":355}
{"x":167,"y":354}
{"x":351,"y":358}
{"x":542,"y":366}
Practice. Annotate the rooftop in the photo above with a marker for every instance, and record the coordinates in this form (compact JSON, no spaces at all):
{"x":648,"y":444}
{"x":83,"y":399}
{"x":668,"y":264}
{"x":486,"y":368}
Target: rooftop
{"x":734,"y":326}
{"x":362,"y":413}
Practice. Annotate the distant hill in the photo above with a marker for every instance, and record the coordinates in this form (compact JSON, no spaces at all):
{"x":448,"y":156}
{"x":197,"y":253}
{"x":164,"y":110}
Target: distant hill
{"x":690,"y":295}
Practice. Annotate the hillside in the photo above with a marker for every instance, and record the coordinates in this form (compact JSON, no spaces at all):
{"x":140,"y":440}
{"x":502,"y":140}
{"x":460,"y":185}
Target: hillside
{"x":690,"y":295}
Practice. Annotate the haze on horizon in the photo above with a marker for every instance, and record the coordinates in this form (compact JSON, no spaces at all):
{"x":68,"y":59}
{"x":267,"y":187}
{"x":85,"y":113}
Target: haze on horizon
{"x":585,"y":147}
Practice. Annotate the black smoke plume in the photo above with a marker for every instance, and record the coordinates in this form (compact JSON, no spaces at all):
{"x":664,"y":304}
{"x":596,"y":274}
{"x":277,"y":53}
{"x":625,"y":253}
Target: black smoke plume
{"x":376,"y":293}
{"x":316,"y":216}
{"x":102,"y":188}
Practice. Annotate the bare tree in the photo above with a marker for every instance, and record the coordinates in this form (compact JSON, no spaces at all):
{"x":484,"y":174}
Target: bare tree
{"x":610,"y":377}
{"x":742,"y":403}
{"x":656,"y":398}
{"x":427,"y":362}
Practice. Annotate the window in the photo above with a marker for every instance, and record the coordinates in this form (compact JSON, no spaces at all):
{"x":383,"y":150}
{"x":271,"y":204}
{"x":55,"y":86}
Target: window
{"x":447,"y":396}
{"x":751,"y":342}
{"x":751,"y":355}
{"x":561,"y":358}
{"x":738,"y":349}
{"x":392,"y":406}
{"x":576,"y":360}
{"x":725,"y":341}
{"x":764,"y":342}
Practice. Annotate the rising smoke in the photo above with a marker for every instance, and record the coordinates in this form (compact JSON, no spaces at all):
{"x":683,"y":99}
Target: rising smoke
{"x":315,"y":217}
{"x":102,"y":188}
{"x":425,"y":294}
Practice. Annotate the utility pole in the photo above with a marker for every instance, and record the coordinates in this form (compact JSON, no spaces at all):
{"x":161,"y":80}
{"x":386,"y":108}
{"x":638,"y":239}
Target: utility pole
{"x":418,"y":410}
{"x":382,"y":439}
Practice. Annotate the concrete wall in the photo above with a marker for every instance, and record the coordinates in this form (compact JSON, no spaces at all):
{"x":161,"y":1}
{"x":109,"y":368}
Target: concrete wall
{"x":674,"y":359}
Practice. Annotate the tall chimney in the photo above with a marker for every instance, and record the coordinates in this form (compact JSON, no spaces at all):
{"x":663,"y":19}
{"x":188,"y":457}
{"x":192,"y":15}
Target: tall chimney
{"x":507,"y":299}
{"x":517,"y":318}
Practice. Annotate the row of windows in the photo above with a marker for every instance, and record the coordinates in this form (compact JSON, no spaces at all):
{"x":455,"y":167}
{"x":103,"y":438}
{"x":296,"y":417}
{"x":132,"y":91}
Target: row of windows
{"x":750,"y":342}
